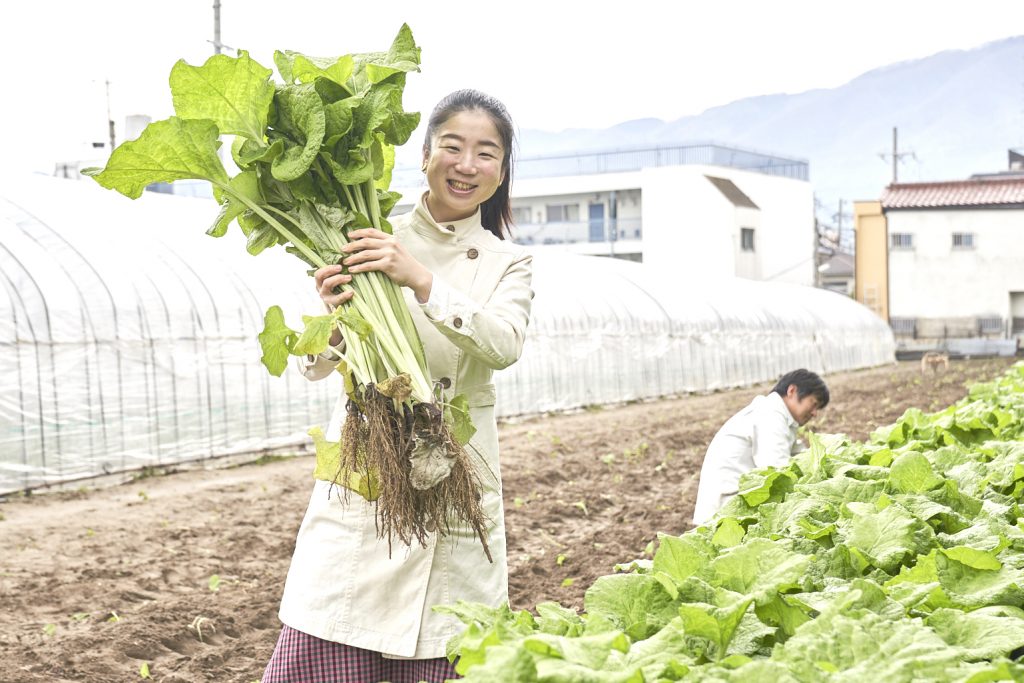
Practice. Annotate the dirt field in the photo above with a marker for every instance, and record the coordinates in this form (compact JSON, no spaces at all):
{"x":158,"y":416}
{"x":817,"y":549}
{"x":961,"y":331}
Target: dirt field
{"x":182,"y":573}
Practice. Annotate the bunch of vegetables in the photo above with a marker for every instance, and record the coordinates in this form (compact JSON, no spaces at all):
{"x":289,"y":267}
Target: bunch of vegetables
{"x":315,"y":155}
{"x":900,"y":559}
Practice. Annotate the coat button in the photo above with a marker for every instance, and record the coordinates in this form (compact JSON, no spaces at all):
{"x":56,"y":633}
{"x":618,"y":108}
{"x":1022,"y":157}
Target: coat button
{"x":446,"y":382}
{"x":472,"y":253}
{"x":457,"y":322}
{"x":450,"y":227}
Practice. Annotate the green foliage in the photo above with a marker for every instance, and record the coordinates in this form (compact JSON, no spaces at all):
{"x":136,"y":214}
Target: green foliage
{"x":899,"y":559}
{"x":315,"y":153}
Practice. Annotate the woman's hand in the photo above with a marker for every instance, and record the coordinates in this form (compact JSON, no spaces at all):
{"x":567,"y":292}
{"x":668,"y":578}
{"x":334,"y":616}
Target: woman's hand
{"x":372,"y":249}
{"x":327,"y":279}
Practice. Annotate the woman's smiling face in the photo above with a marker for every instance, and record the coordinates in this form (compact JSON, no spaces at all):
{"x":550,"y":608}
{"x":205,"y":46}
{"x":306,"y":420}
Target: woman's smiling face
{"x":463,"y":165}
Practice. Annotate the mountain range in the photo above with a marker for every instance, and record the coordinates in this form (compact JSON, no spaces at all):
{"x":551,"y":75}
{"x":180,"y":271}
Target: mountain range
{"x":957,"y":113}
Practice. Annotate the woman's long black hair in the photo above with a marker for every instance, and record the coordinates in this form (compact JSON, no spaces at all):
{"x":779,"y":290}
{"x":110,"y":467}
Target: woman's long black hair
{"x":496,"y":212}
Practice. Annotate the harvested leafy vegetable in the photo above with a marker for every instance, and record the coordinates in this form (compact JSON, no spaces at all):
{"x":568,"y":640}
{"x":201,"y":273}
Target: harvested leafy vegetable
{"x":316,"y":153}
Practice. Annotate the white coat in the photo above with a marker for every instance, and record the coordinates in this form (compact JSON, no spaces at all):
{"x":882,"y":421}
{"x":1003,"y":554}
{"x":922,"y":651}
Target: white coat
{"x":342,"y":586}
{"x":762,"y":434}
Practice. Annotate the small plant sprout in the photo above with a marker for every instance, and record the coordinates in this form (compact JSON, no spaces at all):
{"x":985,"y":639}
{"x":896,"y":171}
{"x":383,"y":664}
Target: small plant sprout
{"x":50,"y":629}
{"x":144,"y":670}
{"x":566,"y":582}
{"x":214,"y":583}
{"x":200,"y":623}
{"x":560,"y":560}
{"x":114,"y":617}
{"x":636,"y":453}
{"x":582,"y":505}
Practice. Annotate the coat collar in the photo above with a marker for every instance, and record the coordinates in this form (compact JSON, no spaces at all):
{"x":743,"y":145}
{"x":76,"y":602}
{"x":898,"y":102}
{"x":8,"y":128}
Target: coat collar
{"x":460,"y":229}
{"x":779,"y":405}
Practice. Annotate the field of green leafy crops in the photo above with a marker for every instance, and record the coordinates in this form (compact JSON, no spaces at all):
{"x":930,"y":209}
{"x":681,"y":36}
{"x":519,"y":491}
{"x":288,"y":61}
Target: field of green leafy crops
{"x":897,"y":559}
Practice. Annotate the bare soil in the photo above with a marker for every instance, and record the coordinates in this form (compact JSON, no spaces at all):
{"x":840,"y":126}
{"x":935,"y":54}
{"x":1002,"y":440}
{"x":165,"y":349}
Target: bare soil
{"x":95,"y":583}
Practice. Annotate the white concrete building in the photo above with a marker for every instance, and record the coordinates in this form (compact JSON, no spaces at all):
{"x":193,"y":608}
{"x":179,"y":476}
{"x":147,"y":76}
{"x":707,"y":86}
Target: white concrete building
{"x":708,"y":211}
{"x":956,"y":257}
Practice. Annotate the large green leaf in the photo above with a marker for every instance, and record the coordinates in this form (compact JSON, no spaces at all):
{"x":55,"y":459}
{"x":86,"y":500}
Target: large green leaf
{"x":865,"y":646}
{"x":316,"y":335}
{"x":245,"y":185}
{"x":168,"y":150}
{"x":461,"y":425}
{"x":684,"y":556}
{"x":912,"y":473}
{"x":985,"y":633}
{"x":233,"y":92}
{"x":716,"y":624}
{"x":296,"y":67}
{"x":300,"y":117}
{"x":376,"y":67}
{"x":759,"y":569}
{"x":971,"y":587}
{"x":634,"y":603}
{"x":339,"y":117}
{"x":328,"y":468}
{"x":276,"y":340}
{"x":590,"y":650}
{"x":886,"y":537}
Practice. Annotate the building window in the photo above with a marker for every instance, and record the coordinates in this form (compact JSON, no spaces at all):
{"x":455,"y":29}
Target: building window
{"x":963,"y":240}
{"x":990,"y":325}
{"x":520,"y":215}
{"x":903,"y":327}
{"x":747,"y":239}
{"x":563,"y":213}
{"x":901,"y":240}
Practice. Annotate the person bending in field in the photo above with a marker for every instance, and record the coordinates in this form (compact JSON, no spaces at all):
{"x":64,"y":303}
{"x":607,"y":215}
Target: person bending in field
{"x":762,"y":434}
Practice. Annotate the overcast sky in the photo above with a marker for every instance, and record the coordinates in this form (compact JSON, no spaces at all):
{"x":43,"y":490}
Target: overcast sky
{"x":556,"y":64}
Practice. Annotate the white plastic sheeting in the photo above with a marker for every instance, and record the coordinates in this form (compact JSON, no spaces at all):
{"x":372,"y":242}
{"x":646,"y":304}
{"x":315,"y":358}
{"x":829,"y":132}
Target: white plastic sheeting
{"x":128,"y":336}
{"x":606,"y":331}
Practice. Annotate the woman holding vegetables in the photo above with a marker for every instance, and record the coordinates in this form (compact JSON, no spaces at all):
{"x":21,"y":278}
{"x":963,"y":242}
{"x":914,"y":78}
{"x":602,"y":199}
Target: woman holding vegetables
{"x":357,"y":608}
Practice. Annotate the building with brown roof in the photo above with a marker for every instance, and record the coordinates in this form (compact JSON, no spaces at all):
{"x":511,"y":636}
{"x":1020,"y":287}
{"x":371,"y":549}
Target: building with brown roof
{"x":945,"y":260}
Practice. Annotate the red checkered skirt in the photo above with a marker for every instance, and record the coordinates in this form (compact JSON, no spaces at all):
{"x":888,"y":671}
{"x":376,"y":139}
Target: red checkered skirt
{"x":302,"y":658}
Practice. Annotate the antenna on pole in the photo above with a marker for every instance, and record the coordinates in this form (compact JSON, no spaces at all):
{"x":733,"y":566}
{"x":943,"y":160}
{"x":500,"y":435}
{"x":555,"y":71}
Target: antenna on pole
{"x":896,"y":155}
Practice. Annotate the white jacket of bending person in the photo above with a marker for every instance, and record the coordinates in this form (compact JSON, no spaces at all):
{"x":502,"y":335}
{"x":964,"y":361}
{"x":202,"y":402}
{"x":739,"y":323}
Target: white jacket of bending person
{"x":762,"y":434}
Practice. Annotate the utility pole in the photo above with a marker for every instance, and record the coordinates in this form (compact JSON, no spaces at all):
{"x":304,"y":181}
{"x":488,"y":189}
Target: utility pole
{"x":216,"y":27}
{"x":896,"y":156}
{"x":218,"y":46}
{"x":110,"y":119}
{"x":839,"y":227}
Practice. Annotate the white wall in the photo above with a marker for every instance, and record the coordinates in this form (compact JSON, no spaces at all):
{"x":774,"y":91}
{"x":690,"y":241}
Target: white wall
{"x":688,"y":222}
{"x":933,"y":280}
{"x":689,"y":226}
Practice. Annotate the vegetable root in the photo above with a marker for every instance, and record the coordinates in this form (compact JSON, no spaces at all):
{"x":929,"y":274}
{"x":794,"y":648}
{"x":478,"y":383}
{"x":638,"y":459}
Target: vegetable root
{"x":378,"y":443}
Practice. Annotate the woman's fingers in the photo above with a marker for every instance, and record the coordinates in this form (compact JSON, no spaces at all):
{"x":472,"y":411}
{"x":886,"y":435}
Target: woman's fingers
{"x":364,"y":233}
{"x":320,"y":274}
{"x":366,"y":256}
{"x":328,"y":279}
